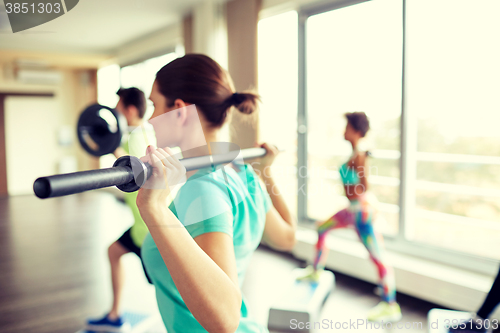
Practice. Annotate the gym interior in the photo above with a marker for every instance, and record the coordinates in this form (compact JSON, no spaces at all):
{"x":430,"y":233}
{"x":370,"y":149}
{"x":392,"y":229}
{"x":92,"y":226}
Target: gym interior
{"x":414,"y":82}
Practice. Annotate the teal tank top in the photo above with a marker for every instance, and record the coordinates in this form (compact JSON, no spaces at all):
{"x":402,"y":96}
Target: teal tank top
{"x":348,"y":175}
{"x":228,"y":201}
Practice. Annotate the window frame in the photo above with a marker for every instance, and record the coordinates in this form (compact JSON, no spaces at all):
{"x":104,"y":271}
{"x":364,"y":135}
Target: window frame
{"x":407,"y":161}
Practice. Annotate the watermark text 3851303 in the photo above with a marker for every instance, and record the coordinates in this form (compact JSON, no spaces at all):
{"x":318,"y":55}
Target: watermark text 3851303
{"x":26,"y":14}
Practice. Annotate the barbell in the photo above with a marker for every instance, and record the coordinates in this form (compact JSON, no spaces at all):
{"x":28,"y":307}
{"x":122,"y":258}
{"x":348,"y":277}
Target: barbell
{"x":128,"y":173}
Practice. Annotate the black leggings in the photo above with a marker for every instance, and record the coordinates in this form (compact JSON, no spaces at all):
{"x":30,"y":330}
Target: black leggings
{"x":492,"y":299}
{"x":126,"y":241}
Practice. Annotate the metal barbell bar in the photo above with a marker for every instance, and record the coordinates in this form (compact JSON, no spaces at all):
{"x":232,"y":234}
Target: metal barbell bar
{"x":128,"y":173}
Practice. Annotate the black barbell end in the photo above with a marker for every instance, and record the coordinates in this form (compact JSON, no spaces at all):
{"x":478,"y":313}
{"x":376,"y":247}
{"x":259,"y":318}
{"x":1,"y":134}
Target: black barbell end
{"x":77,"y":182}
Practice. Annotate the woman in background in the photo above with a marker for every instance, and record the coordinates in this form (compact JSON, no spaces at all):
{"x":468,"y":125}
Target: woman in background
{"x":359,"y":215}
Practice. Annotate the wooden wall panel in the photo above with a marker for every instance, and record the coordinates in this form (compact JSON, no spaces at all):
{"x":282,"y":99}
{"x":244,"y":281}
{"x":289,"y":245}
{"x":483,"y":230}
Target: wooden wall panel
{"x":242,"y":20}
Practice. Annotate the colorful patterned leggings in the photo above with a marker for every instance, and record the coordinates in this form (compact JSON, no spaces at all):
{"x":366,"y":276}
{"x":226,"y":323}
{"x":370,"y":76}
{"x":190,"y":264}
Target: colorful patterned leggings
{"x":360,"y":216}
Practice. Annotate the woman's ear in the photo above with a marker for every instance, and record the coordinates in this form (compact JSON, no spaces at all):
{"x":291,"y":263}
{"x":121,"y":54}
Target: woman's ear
{"x":132,"y":111}
{"x":180,"y":108}
{"x":179,"y":104}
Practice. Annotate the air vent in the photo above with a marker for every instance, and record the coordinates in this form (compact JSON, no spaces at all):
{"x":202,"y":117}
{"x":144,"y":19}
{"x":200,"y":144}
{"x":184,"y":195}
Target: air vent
{"x":39,"y":76}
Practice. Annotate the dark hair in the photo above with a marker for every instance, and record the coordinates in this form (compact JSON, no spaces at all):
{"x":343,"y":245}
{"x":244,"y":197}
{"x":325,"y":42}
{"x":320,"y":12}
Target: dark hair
{"x":198,"y":79}
{"x":359,"y":121}
{"x":133,"y":97}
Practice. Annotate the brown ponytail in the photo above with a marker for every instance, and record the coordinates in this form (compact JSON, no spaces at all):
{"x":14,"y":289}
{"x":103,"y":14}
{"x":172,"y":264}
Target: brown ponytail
{"x":245,"y":102}
{"x":199,"y":80}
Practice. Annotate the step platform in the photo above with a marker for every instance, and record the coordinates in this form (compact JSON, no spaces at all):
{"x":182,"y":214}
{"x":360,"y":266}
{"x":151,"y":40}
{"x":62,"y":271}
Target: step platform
{"x":140,"y":323}
{"x":439,"y":319}
{"x":302,"y":301}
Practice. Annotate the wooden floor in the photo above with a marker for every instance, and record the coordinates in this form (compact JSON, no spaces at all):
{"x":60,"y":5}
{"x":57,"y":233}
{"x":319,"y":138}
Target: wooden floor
{"x":54,"y":272}
{"x":53,"y":264}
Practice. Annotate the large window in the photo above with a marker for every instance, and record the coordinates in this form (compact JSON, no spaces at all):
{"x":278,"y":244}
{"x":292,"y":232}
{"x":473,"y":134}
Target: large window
{"x":426,"y":73}
{"x":108,"y":83}
{"x":453,"y":84}
{"x":278,"y":89}
{"x":354,"y":63}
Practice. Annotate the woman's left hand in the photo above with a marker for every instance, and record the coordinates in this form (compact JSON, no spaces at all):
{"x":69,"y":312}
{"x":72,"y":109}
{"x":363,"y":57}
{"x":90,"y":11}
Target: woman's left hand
{"x":262,"y":165}
{"x":167,"y":173}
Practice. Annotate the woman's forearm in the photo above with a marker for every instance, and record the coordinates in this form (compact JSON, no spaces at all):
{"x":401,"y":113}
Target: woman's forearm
{"x":277,"y":199}
{"x":208,"y":292}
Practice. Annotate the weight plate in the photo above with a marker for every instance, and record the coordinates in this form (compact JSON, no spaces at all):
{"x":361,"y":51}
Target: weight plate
{"x":100,"y":129}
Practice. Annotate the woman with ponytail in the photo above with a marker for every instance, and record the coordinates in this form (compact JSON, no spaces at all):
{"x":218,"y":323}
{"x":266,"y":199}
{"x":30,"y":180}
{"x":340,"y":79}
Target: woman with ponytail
{"x":199,"y":246}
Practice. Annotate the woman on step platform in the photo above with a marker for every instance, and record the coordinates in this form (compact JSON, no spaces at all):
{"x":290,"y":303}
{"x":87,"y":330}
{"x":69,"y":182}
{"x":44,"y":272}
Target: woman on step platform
{"x":359,"y":215}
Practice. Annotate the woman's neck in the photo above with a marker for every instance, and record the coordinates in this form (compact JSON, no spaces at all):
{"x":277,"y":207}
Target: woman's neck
{"x":199,"y":146}
{"x":203,"y":148}
{"x":354,"y":144}
{"x":135,"y":122}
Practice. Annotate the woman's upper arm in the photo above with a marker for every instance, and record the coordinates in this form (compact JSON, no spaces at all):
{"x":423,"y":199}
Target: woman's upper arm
{"x":360,"y":160}
{"x":206,"y":212}
{"x":277,"y":232}
{"x":219,"y":247}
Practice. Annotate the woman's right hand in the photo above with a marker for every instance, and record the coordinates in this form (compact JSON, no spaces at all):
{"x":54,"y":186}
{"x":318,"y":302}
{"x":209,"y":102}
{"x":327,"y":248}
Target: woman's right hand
{"x":261,"y":166}
{"x":167,"y":173}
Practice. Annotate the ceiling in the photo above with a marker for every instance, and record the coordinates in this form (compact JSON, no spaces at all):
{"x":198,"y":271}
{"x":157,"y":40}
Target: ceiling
{"x":95,"y":26}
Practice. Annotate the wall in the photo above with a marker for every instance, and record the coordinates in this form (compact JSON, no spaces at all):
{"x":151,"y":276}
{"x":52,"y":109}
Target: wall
{"x":155,"y":44}
{"x":208,"y":30}
{"x":227,"y":32}
{"x":30,"y":124}
{"x":187,"y":33}
{"x":242,"y":20}
{"x":76,"y":90}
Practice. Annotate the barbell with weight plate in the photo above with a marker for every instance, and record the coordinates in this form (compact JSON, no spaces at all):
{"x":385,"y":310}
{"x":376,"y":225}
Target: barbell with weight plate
{"x":128,"y":173}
